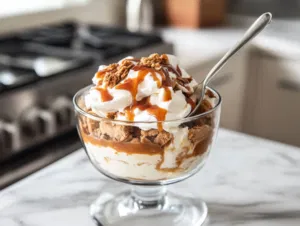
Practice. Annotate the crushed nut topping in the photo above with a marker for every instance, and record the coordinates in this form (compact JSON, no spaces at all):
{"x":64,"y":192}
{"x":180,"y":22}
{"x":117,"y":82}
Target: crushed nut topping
{"x":199,"y":133}
{"x":111,"y":115}
{"x":115,"y":73}
{"x":161,"y":138}
{"x":155,"y":61}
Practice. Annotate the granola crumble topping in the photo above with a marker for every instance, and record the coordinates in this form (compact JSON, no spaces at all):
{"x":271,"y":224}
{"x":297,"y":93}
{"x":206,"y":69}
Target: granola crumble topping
{"x":116,"y":76}
{"x":155,"y":61}
{"x":115,"y":73}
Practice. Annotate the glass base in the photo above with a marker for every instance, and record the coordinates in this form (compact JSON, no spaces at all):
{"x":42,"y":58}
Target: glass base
{"x":120,"y":205}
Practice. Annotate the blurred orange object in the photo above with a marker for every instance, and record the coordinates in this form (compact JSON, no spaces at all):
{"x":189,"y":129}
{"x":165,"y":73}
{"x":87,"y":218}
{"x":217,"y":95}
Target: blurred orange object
{"x":195,"y":13}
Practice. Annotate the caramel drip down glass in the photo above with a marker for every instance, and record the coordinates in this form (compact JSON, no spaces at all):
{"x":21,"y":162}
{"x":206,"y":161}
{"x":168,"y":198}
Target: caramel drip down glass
{"x":142,"y":160}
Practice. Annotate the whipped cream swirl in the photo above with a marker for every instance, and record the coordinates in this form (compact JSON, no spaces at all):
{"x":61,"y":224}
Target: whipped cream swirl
{"x":151,"y":89}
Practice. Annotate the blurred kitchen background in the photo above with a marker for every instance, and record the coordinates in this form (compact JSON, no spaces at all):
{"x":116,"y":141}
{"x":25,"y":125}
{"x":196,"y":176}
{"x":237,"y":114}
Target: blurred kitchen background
{"x":50,"y":49}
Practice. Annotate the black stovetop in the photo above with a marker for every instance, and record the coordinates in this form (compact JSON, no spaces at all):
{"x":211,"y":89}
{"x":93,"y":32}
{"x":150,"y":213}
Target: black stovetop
{"x":31,"y":55}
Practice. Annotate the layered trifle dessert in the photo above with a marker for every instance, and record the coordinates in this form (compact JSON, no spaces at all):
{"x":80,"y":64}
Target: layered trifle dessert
{"x":135,"y":124}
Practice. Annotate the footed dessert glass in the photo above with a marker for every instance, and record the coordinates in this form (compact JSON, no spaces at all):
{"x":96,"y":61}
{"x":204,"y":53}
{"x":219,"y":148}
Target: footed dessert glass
{"x":147,"y":156}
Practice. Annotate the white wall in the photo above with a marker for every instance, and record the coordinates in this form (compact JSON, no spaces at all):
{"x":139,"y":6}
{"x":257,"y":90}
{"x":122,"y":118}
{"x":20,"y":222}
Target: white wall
{"x":109,"y":12}
{"x":104,"y":12}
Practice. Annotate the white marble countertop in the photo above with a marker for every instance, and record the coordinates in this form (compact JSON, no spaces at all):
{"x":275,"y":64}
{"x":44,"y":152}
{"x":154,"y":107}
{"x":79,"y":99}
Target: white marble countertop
{"x":247,"y":181}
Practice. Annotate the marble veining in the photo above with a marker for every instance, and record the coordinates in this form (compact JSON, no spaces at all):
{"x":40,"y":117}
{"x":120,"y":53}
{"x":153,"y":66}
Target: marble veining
{"x":247,"y":181}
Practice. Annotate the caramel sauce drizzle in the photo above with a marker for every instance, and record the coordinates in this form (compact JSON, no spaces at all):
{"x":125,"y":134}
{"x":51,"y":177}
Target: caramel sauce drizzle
{"x":190,"y":102}
{"x":167,"y":94}
{"x":178,"y":70}
{"x":105,"y":95}
{"x":159,"y":113}
{"x":131,"y":85}
{"x":144,"y":104}
{"x":100,"y":75}
{"x":170,"y":68}
{"x":164,"y":73}
{"x":125,"y":147}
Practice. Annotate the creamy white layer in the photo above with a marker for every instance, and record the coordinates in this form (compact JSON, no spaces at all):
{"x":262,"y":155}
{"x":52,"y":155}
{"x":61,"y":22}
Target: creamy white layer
{"x":137,"y":166}
{"x":144,"y":166}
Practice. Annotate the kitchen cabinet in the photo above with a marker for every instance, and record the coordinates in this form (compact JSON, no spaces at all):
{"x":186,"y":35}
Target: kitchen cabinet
{"x":274,"y":110}
{"x":230,"y":82}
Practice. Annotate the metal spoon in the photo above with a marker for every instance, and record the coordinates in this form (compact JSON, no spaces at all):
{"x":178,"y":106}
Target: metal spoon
{"x":254,"y":30}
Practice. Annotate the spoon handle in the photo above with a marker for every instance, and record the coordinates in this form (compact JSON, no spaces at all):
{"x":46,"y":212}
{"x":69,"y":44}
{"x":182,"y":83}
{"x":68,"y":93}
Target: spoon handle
{"x":255,"y":28}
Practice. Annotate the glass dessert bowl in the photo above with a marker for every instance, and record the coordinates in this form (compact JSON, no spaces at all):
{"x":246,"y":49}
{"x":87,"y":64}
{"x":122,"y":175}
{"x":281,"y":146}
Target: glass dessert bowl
{"x":146,"y":154}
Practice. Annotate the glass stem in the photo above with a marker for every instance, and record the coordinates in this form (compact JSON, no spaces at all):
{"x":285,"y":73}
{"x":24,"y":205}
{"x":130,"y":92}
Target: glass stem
{"x":148,"y":196}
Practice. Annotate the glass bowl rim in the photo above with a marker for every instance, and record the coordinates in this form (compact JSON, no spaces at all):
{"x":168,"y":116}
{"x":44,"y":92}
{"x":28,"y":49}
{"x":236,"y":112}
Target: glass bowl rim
{"x":181,"y":120}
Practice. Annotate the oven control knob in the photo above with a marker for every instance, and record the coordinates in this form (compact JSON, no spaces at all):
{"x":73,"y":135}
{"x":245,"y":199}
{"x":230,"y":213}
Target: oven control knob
{"x":2,"y":144}
{"x":39,"y":121}
{"x":10,"y":135}
{"x":63,"y":109}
